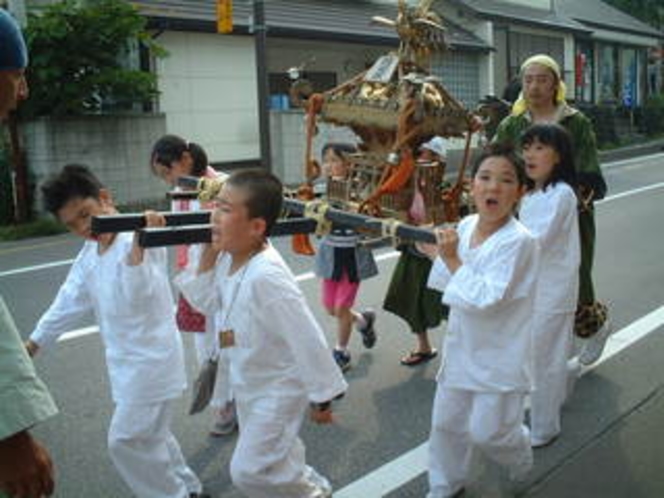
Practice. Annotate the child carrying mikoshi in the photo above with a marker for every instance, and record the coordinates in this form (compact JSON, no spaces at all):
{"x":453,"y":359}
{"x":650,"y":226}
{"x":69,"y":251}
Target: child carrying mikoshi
{"x":279,"y":360}
{"x":487,"y":269}
{"x":407,"y":295}
{"x":549,"y":211}
{"x":128,"y":291}
{"x":172,"y":157}
{"x":343,"y":262}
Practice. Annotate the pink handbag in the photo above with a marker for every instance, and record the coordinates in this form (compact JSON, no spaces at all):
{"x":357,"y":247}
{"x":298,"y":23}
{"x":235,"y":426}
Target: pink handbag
{"x":187,"y":318}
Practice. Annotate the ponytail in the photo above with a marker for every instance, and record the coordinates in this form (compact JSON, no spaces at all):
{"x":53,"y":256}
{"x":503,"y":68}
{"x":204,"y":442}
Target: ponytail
{"x":170,"y":148}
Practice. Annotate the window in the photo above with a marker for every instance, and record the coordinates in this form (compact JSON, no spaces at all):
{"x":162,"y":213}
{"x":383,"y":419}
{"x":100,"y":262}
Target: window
{"x":460,"y":73}
{"x":583,"y":72}
{"x":629,"y":78}
{"x":608,"y":73}
{"x":521,"y":46}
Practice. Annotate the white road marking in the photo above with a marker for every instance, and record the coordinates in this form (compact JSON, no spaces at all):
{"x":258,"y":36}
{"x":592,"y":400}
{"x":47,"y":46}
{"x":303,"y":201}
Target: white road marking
{"x":27,"y":269}
{"x":392,"y":475}
{"x":74,"y":334}
{"x":629,"y":193}
{"x":67,"y":336}
{"x":310,"y":275}
{"x":303,"y":277}
{"x":632,"y":161}
{"x":413,"y":463}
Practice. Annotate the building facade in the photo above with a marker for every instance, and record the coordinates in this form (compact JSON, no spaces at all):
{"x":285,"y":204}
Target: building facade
{"x":208,"y":82}
{"x":603,"y":52}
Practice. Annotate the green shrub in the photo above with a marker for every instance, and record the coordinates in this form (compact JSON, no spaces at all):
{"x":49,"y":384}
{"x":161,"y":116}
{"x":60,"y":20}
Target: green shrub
{"x":653,"y":115}
{"x":40,"y":228}
{"x":603,"y":117}
{"x":79,"y":58}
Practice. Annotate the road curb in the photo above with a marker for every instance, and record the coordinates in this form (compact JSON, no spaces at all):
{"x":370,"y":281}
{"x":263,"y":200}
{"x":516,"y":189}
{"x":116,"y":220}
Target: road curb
{"x":630,"y":151}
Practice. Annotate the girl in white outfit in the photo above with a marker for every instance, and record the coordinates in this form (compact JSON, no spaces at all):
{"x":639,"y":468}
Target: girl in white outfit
{"x":549,"y":210}
{"x":487,"y":270}
{"x":173,"y":156}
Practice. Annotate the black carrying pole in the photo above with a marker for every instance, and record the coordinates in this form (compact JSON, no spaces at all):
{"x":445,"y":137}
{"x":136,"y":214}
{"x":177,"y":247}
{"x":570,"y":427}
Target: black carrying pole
{"x":199,"y":234}
{"x":129,"y":222}
{"x":173,"y":236}
{"x":193,"y":227}
{"x":363,"y":223}
{"x":360,"y":222}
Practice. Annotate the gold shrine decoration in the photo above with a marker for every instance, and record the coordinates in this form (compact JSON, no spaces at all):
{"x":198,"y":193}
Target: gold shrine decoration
{"x":224,"y":16}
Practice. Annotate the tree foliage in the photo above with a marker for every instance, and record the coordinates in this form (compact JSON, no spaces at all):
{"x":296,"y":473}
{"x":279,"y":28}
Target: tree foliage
{"x":79,"y":55}
{"x":649,"y":11}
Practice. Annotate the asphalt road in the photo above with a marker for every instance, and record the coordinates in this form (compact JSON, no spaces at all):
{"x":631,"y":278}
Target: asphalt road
{"x":613,"y":436}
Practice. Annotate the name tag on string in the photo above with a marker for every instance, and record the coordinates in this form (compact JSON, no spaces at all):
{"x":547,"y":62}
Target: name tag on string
{"x":226,"y":338}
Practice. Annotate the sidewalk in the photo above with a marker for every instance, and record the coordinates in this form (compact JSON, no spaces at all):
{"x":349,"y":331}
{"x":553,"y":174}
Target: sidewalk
{"x":642,"y":149}
{"x":605,"y":156}
{"x":613,"y":437}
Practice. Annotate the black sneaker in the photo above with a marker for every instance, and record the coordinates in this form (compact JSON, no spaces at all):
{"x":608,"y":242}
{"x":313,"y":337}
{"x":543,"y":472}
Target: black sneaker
{"x":367,"y":330}
{"x":342,"y":358}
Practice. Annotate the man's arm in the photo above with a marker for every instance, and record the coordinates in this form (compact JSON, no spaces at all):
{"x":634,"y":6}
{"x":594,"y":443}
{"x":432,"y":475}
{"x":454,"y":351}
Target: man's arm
{"x":25,"y":466}
{"x":26,"y":469}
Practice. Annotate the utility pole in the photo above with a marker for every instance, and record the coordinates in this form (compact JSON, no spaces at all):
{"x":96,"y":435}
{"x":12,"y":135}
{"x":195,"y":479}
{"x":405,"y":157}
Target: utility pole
{"x":17,"y":154}
{"x":260,"y":37}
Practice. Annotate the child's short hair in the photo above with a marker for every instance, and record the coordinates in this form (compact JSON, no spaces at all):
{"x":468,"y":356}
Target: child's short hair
{"x":74,"y":181}
{"x":265,"y":194}
{"x":506,"y":151}
{"x":556,"y":137}
{"x":170,"y":148}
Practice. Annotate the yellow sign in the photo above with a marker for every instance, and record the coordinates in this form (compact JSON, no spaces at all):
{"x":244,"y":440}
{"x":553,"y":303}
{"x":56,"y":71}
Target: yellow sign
{"x":224,"y":16}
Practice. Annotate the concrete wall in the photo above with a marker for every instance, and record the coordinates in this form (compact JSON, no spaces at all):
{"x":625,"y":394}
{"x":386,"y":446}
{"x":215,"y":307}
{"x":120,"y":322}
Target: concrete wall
{"x":208,"y":92}
{"x":288,"y":143}
{"x":116,"y":148}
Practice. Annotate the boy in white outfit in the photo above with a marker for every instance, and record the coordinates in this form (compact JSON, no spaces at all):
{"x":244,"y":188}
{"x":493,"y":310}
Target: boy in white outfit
{"x":127,"y":288}
{"x":487,"y":270}
{"x":279,"y":360}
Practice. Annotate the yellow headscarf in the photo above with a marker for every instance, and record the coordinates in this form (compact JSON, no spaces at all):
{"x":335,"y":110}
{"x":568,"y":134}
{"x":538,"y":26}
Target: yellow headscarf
{"x":520,"y":106}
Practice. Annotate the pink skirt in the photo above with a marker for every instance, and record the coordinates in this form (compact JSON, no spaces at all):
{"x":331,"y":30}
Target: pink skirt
{"x":339,"y":294}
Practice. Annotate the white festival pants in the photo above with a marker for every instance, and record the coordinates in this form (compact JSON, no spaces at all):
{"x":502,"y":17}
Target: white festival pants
{"x":147,"y":455}
{"x":269,"y":459}
{"x":464,"y":421}
{"x":553,"y":346}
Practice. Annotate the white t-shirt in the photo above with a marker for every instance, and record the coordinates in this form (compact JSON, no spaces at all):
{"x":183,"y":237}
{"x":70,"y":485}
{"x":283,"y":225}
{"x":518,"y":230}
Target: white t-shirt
{"x":280,"y":351}
{"x":551,"y":216}
{"x":134,"y":309}
{"x":488,"y":345}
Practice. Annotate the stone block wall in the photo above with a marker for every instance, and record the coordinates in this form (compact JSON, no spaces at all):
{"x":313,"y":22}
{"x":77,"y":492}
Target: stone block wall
{"x":287,"y":133}
{"x":115,"y":148}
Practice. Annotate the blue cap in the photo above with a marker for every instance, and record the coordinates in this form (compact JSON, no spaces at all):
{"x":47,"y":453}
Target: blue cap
{"x":13,"y":52}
